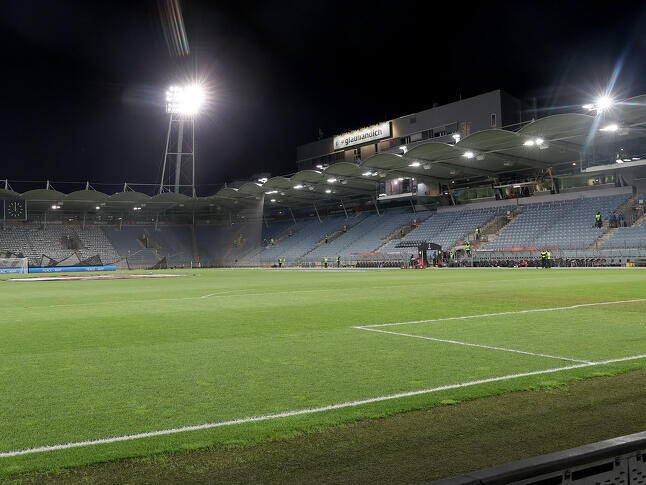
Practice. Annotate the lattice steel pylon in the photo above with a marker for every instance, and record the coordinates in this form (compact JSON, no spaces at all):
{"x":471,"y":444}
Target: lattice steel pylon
{"x":178,"y":169}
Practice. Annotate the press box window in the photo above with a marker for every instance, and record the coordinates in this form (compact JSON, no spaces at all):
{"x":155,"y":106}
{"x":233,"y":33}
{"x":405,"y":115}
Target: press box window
{"x":493,"y":120}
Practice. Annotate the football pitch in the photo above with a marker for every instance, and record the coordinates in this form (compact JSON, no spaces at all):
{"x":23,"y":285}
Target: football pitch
{"x":105,"y":369}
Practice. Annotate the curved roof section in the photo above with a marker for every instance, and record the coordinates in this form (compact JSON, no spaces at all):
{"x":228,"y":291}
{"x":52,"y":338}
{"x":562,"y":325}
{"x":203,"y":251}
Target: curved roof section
{"x":278,"y":183}
{"x":308,"y":176}
{"x":559,"y":126}
{"x":9,"y":194}
{"x":546,"y":142}
{"x":128,"y":197}
{"x":44,"y":195}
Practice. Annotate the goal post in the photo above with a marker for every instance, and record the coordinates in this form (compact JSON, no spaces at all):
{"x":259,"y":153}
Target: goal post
{"x":14,"y":265}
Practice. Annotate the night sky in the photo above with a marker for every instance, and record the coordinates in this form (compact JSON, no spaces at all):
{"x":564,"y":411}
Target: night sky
{"x":83,"y":82}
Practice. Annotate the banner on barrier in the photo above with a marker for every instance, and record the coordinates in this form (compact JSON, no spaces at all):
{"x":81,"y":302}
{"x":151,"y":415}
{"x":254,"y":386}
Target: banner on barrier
{"x":70,"y":269}
{"x":11,"y":270}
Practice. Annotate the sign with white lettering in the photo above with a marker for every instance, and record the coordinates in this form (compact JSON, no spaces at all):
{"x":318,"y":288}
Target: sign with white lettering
{"x":363,"y":135}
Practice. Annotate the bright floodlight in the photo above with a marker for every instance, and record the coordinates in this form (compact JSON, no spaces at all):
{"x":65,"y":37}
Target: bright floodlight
{"x":184,"y":100}
{"x":468,"y":155}
{"x":603,"y":103}
{"x":611,"y":127}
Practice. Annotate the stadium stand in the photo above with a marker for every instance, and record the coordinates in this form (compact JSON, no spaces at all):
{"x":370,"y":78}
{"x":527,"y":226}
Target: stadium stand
{"x":128,"y":243}
{"x":175,"y":243}
{"x":566,"y":224}
{"x":449,"y":227}
{"x":562,"y":221}
{"x":306,"y":236}
{"x":366,"y":236}
{"x":56,"y":243}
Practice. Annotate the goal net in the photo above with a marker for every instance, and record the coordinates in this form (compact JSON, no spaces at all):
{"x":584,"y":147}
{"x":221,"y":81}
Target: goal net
{"x":14,"y":265}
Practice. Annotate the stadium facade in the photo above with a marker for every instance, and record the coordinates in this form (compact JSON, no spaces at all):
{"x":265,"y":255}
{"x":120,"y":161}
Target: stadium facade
{"x":373,"y":192}
{"x":495,"y":109}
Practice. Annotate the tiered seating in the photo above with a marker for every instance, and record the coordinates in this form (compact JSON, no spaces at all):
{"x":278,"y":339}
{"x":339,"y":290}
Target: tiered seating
{"x":228,"y":244}
{"x":627,"y":237}
{"x":126,"y":242}
{"x":447,"y":228}
{"x":567,"y":224}
{"x":94,"y":242}
{"x":34,"y":242}
{"x":176,"y":244}
{"x":305,"y":237}
{"x":366,"y":236}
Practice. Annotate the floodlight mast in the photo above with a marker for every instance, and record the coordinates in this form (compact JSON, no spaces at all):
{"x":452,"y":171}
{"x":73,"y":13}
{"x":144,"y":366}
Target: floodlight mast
{"x":182,"y":104}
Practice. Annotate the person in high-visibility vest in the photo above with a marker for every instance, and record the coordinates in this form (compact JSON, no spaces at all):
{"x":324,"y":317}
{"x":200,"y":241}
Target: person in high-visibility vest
{"x":597,"y":219}
{"x":549,"y":259}
{"x":543,"y":259}
{"x":338,"y":261}
{"x":467,"y":248}
{"x":280,"y":262}
{"x":477,"y":234}
{"x":325,"y":261}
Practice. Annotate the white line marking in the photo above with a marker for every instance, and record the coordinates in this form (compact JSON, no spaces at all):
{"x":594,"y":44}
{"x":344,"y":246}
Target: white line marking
{"x":213,"y":295}
{"x":491,"y":347}
{"x":582,"y":305}
{"x":299,"y":412}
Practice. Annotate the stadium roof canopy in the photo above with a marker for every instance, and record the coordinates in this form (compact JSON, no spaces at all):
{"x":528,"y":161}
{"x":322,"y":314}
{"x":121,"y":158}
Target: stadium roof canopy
{"x":485,"y":155}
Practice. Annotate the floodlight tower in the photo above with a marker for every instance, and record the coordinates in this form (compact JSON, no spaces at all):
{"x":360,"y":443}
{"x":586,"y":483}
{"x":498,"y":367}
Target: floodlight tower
{"x":182,"y":104}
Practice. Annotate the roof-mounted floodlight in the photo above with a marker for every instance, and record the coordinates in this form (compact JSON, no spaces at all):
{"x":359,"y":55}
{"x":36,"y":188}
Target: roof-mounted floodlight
{"x":263,"y":180}
{"x":414,"y":164}
{"x":456,"y":137}
{"x":328,"y":191}
{"x":298,"y":187}
{"x":604,"y":102}
{"x":612,"y":127}
{"x":331,"y":180}
{"x":468,"y":154}
{"x":403,"y":148}
{"x":601,"y":104}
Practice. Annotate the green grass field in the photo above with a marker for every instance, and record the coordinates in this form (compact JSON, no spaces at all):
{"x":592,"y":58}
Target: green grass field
{"x":88,"y":360}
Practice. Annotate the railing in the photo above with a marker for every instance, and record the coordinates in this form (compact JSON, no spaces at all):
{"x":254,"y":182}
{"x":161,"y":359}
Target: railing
{"x":619,"y":460}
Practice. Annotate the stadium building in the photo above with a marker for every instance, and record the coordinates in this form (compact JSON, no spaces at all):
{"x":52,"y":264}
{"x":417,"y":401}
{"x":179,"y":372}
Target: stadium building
{"x":370,"y":195}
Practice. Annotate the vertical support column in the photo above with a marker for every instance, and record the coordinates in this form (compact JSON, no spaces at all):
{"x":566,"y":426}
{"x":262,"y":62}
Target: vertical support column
{"x":292,"y":214}
{"x":376,"y":206}
{"x":317,"y":213}
{"x":161,"y":183}
{"x":193,"y":156}
{"x":412,"y":205}
{"x":345,"y":211}
{"x":178,"y":159}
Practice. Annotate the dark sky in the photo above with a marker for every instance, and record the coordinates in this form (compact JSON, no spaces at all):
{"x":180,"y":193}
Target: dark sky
{"x":83,"y":82}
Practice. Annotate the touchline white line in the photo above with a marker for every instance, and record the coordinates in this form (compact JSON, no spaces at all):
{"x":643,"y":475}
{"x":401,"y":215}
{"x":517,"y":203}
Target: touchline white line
{"x":516,"y":312}
{"x":468,"y":344}
{"x":299,"y":412}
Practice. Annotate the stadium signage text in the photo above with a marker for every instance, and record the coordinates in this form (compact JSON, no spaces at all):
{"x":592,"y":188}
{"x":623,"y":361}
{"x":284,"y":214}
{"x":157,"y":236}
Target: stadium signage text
{"x":363,"y":135}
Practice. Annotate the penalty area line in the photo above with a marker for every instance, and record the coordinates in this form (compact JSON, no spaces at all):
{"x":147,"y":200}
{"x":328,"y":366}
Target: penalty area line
{"x":300,"y":412}
{"x":469,"y":344}
{"x":516,"y":312}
